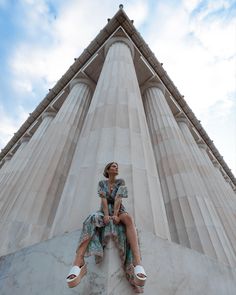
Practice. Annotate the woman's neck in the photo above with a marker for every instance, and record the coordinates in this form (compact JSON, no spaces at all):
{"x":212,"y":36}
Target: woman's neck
{"x":112,"y":178}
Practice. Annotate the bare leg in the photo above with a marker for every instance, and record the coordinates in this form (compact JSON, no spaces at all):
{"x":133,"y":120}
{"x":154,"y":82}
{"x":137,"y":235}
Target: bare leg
{"x":79,"y":258}
{"x":131,"y":236}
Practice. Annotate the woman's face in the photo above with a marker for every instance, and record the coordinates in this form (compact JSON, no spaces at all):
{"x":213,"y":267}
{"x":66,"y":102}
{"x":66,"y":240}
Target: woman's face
{"x":113,"y":170}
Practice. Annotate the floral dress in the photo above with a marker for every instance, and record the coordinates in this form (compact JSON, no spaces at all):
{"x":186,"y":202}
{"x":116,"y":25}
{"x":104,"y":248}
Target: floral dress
{"x":94,"y":228}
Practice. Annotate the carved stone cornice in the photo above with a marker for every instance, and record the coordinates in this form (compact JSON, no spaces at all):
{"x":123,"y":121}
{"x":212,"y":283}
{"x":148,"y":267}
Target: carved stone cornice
{"x":48,"y":114}
{"x":154,"y":84}
{"x":216,"y":164}
{"x":202,"y":145}
{"x":86,"y":81}
{"x":181,"y":118}
{"x":24,"y":139}
{"x":119,"y":19}
{"x":119,"y":39}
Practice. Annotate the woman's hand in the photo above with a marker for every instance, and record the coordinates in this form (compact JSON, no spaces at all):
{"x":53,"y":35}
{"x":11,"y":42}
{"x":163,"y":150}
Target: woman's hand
{"x":102,"y":194}
{"x":115,"y":219}
{"x":106,"y":219}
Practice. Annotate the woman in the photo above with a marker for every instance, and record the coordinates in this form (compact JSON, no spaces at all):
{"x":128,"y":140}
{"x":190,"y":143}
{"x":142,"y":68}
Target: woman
{"x":109,"y":221}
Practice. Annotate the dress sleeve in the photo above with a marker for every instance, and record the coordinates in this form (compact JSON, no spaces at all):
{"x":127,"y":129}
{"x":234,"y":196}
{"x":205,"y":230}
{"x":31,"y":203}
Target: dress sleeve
{"x":122,"y":190}
{"x":101,"y":189}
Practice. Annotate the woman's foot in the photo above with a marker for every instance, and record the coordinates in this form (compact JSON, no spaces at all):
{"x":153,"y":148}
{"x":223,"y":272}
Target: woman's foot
{"x":139,"y":275}
{"x":136,"y":263}
{"x":79,"y":261}
{"x":75,"y":275}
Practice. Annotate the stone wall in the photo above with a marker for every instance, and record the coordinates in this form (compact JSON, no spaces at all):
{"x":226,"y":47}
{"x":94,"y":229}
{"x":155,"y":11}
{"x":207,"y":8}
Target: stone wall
{"x":171,"y":268}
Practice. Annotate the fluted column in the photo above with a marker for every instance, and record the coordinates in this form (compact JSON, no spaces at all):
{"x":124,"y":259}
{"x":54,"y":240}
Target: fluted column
{"x":225,"y":191}
{"x":224,"y":202}
{"x":224,"y":240}
{"x":229,"y":185}
{"x":192,"y":218}
{"x":6,"y":170}
{"x":21,"y":158}
{"x":11,"y":178}
{"x":42,"y":180}
{"x":7,"y":160}
{"x":115,"y":130}
{"x":5,"y":166}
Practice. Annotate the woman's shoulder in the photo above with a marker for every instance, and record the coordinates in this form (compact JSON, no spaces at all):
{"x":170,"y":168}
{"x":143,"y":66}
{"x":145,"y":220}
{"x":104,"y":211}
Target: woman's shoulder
{"x":102,"y":182}
{"x":120,"y":181}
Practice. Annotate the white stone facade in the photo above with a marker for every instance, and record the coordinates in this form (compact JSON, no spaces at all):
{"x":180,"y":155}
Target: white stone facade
{"x":117,"y":106}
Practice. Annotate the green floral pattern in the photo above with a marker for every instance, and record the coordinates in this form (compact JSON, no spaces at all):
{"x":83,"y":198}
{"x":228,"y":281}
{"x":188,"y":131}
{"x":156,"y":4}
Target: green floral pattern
{"x":94,"y":228}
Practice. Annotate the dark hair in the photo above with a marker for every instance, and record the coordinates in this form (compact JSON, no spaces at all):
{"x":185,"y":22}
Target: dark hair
{"x":105,"y":173}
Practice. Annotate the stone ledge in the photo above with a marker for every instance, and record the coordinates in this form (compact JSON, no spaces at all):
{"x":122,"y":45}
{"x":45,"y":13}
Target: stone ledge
{"x":171,"y":269}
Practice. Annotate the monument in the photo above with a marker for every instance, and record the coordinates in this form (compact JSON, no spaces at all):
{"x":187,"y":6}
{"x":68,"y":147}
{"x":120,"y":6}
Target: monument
{"x":116,"y":103}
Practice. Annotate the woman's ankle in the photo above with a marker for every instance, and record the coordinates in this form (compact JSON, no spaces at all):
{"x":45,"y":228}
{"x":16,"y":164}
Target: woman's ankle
{"x":79,"y":260}
{"x":137,"y":262}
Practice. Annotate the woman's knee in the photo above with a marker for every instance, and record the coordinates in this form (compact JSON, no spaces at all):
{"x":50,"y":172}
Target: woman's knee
{"x":127,"y":219}
{"x":118,"y":199}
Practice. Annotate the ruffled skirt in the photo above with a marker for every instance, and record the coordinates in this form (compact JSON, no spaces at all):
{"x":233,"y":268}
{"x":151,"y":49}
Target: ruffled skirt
{"x":99,"y":233}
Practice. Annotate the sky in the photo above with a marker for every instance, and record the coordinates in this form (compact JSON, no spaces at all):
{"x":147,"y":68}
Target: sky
{"x":194,"y":39}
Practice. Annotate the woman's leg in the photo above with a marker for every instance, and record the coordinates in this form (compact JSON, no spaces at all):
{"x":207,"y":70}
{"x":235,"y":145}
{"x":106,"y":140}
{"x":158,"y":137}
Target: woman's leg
{"x":131,"y":234}
{"x":79,"y":258}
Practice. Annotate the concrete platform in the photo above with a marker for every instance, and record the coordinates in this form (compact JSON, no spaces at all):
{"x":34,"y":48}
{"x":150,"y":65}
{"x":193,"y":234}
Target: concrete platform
{"x":172,"y":269}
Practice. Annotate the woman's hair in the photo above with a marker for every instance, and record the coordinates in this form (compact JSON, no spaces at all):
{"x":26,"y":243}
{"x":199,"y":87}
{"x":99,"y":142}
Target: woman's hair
{"x":105,"y":173}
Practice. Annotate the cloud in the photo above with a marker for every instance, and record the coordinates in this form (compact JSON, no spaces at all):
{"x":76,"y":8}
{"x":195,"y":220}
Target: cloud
{"x":58,"y":40}
{"x":221,"y":125}
{"x":66,"y":36}
{"x":193,"y":38}
{"x":197,"y":47}
{"x":3,"y":3}
{"x":194,"y":56}
{"x":9,"y":125}
{"x":190,"y":5}
{"x":53,"y":36}
{"x":138,"y":11}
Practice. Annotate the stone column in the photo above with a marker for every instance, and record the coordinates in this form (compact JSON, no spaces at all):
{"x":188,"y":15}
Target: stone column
{"x":225,"y":191}
{"x":12,"y":177}
{"x":6,"y":170}
{"x":229,"y":185}
{"x":41,"y":182}
{"x":223,"y":240}
{"x":6,"y":161}
{"x":115,"y":130}
{"x":224,"y":201}
{"x":192,"y":218}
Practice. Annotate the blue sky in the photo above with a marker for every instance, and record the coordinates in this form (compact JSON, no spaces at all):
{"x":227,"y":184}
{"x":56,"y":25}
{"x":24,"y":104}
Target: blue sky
{"x":195,"y":40}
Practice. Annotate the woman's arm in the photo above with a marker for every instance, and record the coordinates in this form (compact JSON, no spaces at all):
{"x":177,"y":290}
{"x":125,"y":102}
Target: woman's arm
{"x":117,"y":205}
{"x":105,"y":206}
{"x":102,"y":195}
{"x":118,"y":199}
{"x":115,"y":217}
{"x":106,"y":217}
